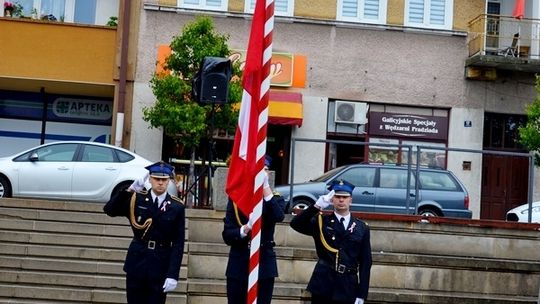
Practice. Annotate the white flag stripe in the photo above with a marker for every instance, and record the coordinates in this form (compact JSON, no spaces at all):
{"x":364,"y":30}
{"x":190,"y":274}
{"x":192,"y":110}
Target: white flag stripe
{"x":265,"y":86}
{"x":261,"y":151}
{"x":253,"y":276}
{"x":263,"y":118}
{"x":268,"y":26}
{"x":243,"y":124}
{"x":267,"y":55}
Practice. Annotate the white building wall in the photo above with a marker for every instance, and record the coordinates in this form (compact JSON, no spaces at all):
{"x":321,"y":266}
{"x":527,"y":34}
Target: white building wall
{"x":309,"y":157}
{"x":145,"y":141}
{"x":465,"y":137}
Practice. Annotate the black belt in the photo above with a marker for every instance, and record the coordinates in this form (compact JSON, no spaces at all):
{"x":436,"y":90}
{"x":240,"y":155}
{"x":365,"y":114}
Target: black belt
{"x":151,"y":244}
{"x":268,"y":244}
{"x":339,"y":268}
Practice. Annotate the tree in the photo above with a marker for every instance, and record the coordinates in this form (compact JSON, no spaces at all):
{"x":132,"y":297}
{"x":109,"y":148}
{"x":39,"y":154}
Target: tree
{"x":175,"y":110}
{"x":529,"y":135}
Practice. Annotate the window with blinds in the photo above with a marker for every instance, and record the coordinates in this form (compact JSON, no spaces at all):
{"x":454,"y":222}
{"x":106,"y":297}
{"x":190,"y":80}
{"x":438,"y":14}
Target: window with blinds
{"x":281,"y":7}
{"x":435,"y":14}
{"x":214,"y":5}
{"x":365,"y":11}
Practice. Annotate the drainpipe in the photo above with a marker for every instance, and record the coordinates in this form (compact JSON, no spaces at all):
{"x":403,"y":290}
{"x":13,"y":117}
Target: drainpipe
{"x":122,"y":79}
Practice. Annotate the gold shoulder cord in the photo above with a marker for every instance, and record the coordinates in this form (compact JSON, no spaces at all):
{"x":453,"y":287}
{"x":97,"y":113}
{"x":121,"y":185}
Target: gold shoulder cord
{"x":237,"y":215}
{"x":325,"y":244}
{"x":134,"y":223}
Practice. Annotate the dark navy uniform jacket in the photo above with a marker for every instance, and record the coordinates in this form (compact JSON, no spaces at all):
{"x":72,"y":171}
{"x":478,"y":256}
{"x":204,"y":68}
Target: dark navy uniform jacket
{"x":163,"y":229}
{"x":238,"y":264}
{"x":343,"y":269}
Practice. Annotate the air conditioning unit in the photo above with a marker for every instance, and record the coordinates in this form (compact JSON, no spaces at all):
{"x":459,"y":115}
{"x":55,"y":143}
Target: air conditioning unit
{"x":351,"y":112}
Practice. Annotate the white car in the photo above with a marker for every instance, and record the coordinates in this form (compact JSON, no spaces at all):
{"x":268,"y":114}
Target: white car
{"x":71,"y":170}
{"x":521,"y":213}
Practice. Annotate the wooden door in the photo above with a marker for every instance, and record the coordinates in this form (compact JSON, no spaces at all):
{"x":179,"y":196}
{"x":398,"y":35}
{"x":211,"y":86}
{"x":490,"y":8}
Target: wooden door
{"x":504,"y":185}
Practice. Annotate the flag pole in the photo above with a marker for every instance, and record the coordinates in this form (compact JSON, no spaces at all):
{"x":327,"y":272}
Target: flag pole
{"x":246,"y":169}
{"x":261,"y":148}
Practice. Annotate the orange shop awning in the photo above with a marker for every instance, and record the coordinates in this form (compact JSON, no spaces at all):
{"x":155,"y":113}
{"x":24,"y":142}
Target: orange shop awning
{"x":285,"y":108}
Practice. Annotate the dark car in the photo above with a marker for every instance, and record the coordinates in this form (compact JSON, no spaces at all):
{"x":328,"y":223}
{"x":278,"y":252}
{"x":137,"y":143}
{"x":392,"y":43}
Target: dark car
{"x":383,"y":188}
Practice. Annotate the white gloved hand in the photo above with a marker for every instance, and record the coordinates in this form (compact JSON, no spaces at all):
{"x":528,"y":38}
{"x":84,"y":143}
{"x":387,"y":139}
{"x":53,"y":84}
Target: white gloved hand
{"x":170,"y":285}
{"x":325,"y":200}
{"x":265,"y":181}
{"x":359,"y":301}
{"x":138,"y":184}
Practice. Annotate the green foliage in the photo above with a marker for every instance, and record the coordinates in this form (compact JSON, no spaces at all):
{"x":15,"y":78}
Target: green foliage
{"x":175,"y":110}
{"x":113,"y":21}
{"x":529,"y":135}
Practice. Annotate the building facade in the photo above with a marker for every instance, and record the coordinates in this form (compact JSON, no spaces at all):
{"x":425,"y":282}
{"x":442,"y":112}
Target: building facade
{"x":379,"y":77}
{"x":384,"y":72}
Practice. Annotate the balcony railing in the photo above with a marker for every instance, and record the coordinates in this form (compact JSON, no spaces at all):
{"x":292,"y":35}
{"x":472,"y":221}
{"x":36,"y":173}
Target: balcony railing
{"x":504,"y":36}
{"x":504,"y":42}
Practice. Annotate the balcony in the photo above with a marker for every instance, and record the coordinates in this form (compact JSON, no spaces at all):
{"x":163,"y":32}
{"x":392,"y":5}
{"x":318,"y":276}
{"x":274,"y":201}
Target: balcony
{"x":57,"y":56}
{"x":499,"y":42}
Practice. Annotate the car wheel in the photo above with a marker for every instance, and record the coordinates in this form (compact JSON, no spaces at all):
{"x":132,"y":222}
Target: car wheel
{"x":429,"y":212}
{"x":5,"y":187}
{"x":120,"y":187}
{"x":299,"y":205}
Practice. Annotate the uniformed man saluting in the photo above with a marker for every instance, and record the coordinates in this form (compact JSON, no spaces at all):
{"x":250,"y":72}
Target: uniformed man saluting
{"x":342,"y":272}
{"x":157,"y":219}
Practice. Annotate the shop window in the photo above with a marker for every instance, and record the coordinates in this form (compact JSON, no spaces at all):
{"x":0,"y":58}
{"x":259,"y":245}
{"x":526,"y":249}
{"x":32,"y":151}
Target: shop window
{"x":398,"y":154}
{"x":501,"y":131}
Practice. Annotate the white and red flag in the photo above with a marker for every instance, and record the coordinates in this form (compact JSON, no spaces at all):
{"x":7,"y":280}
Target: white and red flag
{"x":246,"y":169}
{"x":519,"y":9}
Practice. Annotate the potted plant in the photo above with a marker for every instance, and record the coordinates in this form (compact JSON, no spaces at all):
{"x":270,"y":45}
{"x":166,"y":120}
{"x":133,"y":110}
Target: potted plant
{"x":8,"y":9}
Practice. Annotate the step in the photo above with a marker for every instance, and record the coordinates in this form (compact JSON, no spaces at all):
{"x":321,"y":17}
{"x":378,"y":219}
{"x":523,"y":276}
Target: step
{"x":407,"y":271}
{"x":214,"y":292}
{"x":36,"y":293}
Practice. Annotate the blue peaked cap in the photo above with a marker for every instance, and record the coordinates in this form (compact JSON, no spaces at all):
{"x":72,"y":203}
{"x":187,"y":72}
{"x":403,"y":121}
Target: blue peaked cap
{"x":267,"y":161}
{"x":161,"y":170}
{"x":341,"y":187}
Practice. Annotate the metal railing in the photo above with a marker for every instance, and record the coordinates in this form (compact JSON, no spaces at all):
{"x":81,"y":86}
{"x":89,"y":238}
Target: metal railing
{"x":504,"y":36}
{"x":412,"y":207}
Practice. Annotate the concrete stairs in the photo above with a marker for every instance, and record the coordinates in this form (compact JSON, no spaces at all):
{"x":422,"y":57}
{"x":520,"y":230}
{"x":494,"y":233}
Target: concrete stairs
{"x":70,"y":252}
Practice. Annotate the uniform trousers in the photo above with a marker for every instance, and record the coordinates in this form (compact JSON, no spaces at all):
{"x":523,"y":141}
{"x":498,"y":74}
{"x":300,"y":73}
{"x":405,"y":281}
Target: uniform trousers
{"x":237,"y":291}
{"x":141,"y":290}
{"x":318,"y":299}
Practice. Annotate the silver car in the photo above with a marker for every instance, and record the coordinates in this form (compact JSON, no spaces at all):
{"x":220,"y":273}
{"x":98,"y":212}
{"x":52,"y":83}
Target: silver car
{"x":383,"y":189}
{"x":74,"y":170}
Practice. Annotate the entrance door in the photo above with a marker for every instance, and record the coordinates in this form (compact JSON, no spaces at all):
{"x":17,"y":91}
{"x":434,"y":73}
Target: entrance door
{"x":504,"y":185}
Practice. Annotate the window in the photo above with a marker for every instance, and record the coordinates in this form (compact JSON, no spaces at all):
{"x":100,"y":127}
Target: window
{"x":96,"y":12}
{"x":435,"y":14}
{"x":57,"y":153}
{"x":437,"y":181}
{"x":395,"y":178}
{"x":211,"y":5}
{"x":281,"y":7}
{"x":366,"y":11}
{"x":97,"y":154}
{"x":360,"y":177}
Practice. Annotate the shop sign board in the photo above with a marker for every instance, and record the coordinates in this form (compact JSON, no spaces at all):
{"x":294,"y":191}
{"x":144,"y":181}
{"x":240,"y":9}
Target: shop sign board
{"x":408,"y":125}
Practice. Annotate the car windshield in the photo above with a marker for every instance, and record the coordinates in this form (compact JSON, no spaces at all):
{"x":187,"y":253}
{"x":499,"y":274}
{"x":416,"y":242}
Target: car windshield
{"x":327,"y":175}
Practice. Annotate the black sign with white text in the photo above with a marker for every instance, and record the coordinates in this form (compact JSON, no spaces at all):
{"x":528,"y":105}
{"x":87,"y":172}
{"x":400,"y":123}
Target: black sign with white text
{"x":408,"y":125}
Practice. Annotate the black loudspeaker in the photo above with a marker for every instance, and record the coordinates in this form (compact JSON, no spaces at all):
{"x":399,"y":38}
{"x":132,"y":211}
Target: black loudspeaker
{"x":211,"y":83}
